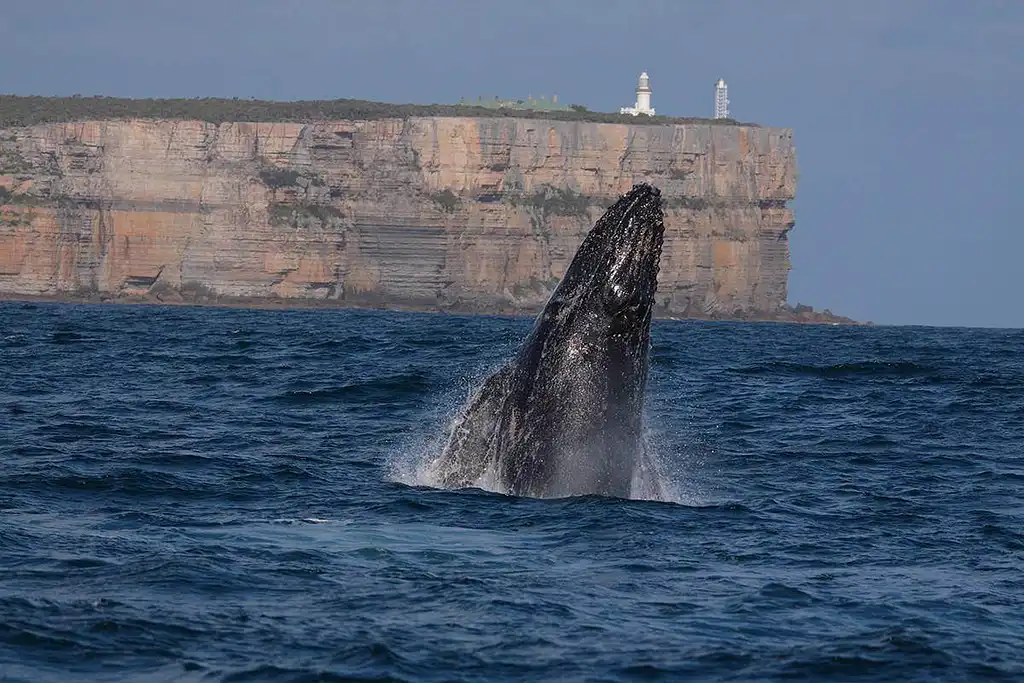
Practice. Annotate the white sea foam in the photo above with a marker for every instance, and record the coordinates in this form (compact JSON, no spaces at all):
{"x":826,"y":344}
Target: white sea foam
{"x":417,"y":462}
{"x":304,"y":520}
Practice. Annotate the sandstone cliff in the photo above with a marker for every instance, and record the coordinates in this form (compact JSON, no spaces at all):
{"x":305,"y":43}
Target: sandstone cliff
{"x":435,"y":212}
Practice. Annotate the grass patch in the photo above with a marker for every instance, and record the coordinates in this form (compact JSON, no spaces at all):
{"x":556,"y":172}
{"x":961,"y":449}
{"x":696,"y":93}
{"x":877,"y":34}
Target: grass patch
{"x":276,"y":178}
{"x":16,"y":110}
{"x":20,"y":199}
{"x":554,"y":201}
{"x":447,"y":200}
{"x":290,"y":215}
{"x":694,"y":203}
{"x":12,"y":163}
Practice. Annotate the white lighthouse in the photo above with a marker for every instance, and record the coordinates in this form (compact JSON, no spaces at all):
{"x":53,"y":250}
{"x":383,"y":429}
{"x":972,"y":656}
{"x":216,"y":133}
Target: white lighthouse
{"x":721,"y":99}
{"x":643,"y":98}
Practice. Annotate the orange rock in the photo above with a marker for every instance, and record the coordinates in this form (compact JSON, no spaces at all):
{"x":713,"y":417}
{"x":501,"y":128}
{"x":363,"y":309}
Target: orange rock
{"x":478,"y":212}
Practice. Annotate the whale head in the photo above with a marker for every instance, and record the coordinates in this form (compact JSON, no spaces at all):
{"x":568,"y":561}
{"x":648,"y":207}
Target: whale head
{"x":614,"y":274}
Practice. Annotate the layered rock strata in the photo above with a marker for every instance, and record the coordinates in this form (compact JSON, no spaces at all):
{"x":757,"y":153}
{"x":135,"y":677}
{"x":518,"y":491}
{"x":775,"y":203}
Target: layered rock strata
{"x":450,"y":213}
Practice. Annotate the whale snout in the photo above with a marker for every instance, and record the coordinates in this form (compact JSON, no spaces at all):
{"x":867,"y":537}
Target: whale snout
{"x":642,"y":209}
{"x":642,"y":219}
{"x":645,"y":188}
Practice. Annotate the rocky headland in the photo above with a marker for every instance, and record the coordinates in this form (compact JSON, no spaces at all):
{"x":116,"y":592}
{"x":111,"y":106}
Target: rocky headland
{"x":459,"y":213}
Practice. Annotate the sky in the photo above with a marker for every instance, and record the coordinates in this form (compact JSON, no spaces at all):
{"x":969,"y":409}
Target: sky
{"x":904,"y":112}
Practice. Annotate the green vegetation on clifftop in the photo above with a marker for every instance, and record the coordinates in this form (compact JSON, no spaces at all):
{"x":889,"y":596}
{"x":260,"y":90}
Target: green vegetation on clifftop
{"x":16,"y":110}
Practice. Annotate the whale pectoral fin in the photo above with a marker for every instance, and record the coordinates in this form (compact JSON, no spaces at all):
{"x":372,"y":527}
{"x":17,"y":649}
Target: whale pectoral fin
{"x":468,"y":453}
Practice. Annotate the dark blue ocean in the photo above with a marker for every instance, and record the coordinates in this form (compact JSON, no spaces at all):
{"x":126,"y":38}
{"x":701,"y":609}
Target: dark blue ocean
{"x":211,"y":494}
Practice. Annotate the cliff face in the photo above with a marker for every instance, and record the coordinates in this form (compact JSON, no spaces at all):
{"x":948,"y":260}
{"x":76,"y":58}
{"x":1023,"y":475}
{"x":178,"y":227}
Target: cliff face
{"x":480,"y":214}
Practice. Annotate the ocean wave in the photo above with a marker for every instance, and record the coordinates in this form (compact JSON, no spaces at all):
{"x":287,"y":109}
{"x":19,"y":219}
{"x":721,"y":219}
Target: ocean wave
{"x":380,"y":390}
{"x":866,"y":369}
{"x":216,"y":494}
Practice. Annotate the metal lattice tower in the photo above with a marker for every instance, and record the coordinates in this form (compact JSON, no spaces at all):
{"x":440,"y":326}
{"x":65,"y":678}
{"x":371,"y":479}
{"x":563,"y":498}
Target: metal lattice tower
{"x":721,"y":100}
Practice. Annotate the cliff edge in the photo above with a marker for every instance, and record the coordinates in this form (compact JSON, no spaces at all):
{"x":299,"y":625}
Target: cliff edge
{"x":453,"y":213}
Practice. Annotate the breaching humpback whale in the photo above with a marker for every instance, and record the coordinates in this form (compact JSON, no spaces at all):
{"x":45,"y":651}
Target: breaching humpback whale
{"x":564,"y":416}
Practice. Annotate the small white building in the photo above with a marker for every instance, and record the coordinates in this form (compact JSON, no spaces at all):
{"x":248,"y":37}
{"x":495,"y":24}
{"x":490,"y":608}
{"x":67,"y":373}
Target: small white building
{"x":643,"y":98}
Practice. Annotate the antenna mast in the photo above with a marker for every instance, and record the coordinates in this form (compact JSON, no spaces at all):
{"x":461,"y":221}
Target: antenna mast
{"x":721,"y":100}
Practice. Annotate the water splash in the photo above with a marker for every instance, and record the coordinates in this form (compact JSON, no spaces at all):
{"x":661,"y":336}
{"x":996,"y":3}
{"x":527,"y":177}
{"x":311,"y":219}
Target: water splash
{"x":668,"y":473}
{"x":414,"y":461}
{"x":418,"y":461}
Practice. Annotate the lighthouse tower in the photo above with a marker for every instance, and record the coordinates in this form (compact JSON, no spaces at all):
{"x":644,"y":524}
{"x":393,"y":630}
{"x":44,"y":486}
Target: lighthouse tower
{"x":643,"y":95}
{"x":643,"y":98}
{"x":721,"y":100}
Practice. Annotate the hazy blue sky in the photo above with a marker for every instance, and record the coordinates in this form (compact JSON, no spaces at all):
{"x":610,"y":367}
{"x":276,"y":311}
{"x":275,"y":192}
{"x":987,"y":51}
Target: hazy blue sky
{"x":907,"y":114}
